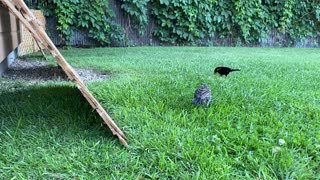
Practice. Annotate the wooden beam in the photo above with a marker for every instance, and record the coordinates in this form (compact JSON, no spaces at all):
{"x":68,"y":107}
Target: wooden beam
{"x":30,"y":22}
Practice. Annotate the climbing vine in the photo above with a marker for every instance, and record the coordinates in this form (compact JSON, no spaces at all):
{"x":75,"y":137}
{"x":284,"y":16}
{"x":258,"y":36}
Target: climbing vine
{"x":191,"y":21}
{"x":303,"y":19}
{"x":183,"y":21}
{"x":94,"y":17}
{"x":137,"y":11}
{"x":252,"y":18}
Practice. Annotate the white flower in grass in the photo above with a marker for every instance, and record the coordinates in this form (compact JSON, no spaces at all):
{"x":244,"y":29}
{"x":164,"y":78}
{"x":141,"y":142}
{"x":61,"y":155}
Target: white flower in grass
{"x":281,"y":142}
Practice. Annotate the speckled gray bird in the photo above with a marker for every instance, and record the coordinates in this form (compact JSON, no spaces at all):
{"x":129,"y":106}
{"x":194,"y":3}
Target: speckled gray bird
{"x":202,"y":95}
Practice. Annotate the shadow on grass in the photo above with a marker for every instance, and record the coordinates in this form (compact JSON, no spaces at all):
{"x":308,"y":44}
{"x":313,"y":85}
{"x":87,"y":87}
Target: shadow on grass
{"x":58,"y":110}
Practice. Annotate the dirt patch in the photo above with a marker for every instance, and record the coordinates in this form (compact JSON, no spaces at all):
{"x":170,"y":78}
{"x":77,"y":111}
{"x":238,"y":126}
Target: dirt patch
{"x":41,"y":71}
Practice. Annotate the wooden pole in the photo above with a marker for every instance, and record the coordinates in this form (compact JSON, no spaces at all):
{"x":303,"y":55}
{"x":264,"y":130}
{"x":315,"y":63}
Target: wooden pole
{"x":41,"y":50}
{"x":30,"y":22}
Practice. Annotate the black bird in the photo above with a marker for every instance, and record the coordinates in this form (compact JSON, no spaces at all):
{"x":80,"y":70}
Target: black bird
{"x":202,"y":95}
{"x":224,"y":70}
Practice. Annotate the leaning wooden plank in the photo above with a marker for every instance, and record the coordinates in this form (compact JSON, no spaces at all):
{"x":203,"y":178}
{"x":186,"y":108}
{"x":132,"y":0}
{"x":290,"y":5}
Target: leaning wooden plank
{"x":41,"y":50}
{"x":39,"y":34}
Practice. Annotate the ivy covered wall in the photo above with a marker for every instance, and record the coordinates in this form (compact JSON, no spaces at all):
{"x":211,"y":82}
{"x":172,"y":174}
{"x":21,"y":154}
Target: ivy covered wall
{"x":188,"y":22}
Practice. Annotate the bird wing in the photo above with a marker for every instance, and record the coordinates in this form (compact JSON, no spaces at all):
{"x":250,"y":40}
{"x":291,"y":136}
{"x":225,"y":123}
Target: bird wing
{"x":202,"y":92}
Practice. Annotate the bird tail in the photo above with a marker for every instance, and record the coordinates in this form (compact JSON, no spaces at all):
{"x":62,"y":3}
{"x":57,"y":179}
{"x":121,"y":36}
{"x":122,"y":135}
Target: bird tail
{"x":235,"y":69}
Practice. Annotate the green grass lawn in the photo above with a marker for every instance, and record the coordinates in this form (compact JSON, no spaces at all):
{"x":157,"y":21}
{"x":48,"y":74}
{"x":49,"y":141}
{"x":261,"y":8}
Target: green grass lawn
{"x":49,"y":131}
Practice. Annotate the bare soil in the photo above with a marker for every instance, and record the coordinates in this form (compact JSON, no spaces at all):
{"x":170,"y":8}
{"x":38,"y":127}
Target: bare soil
{"x":41,"y":71}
